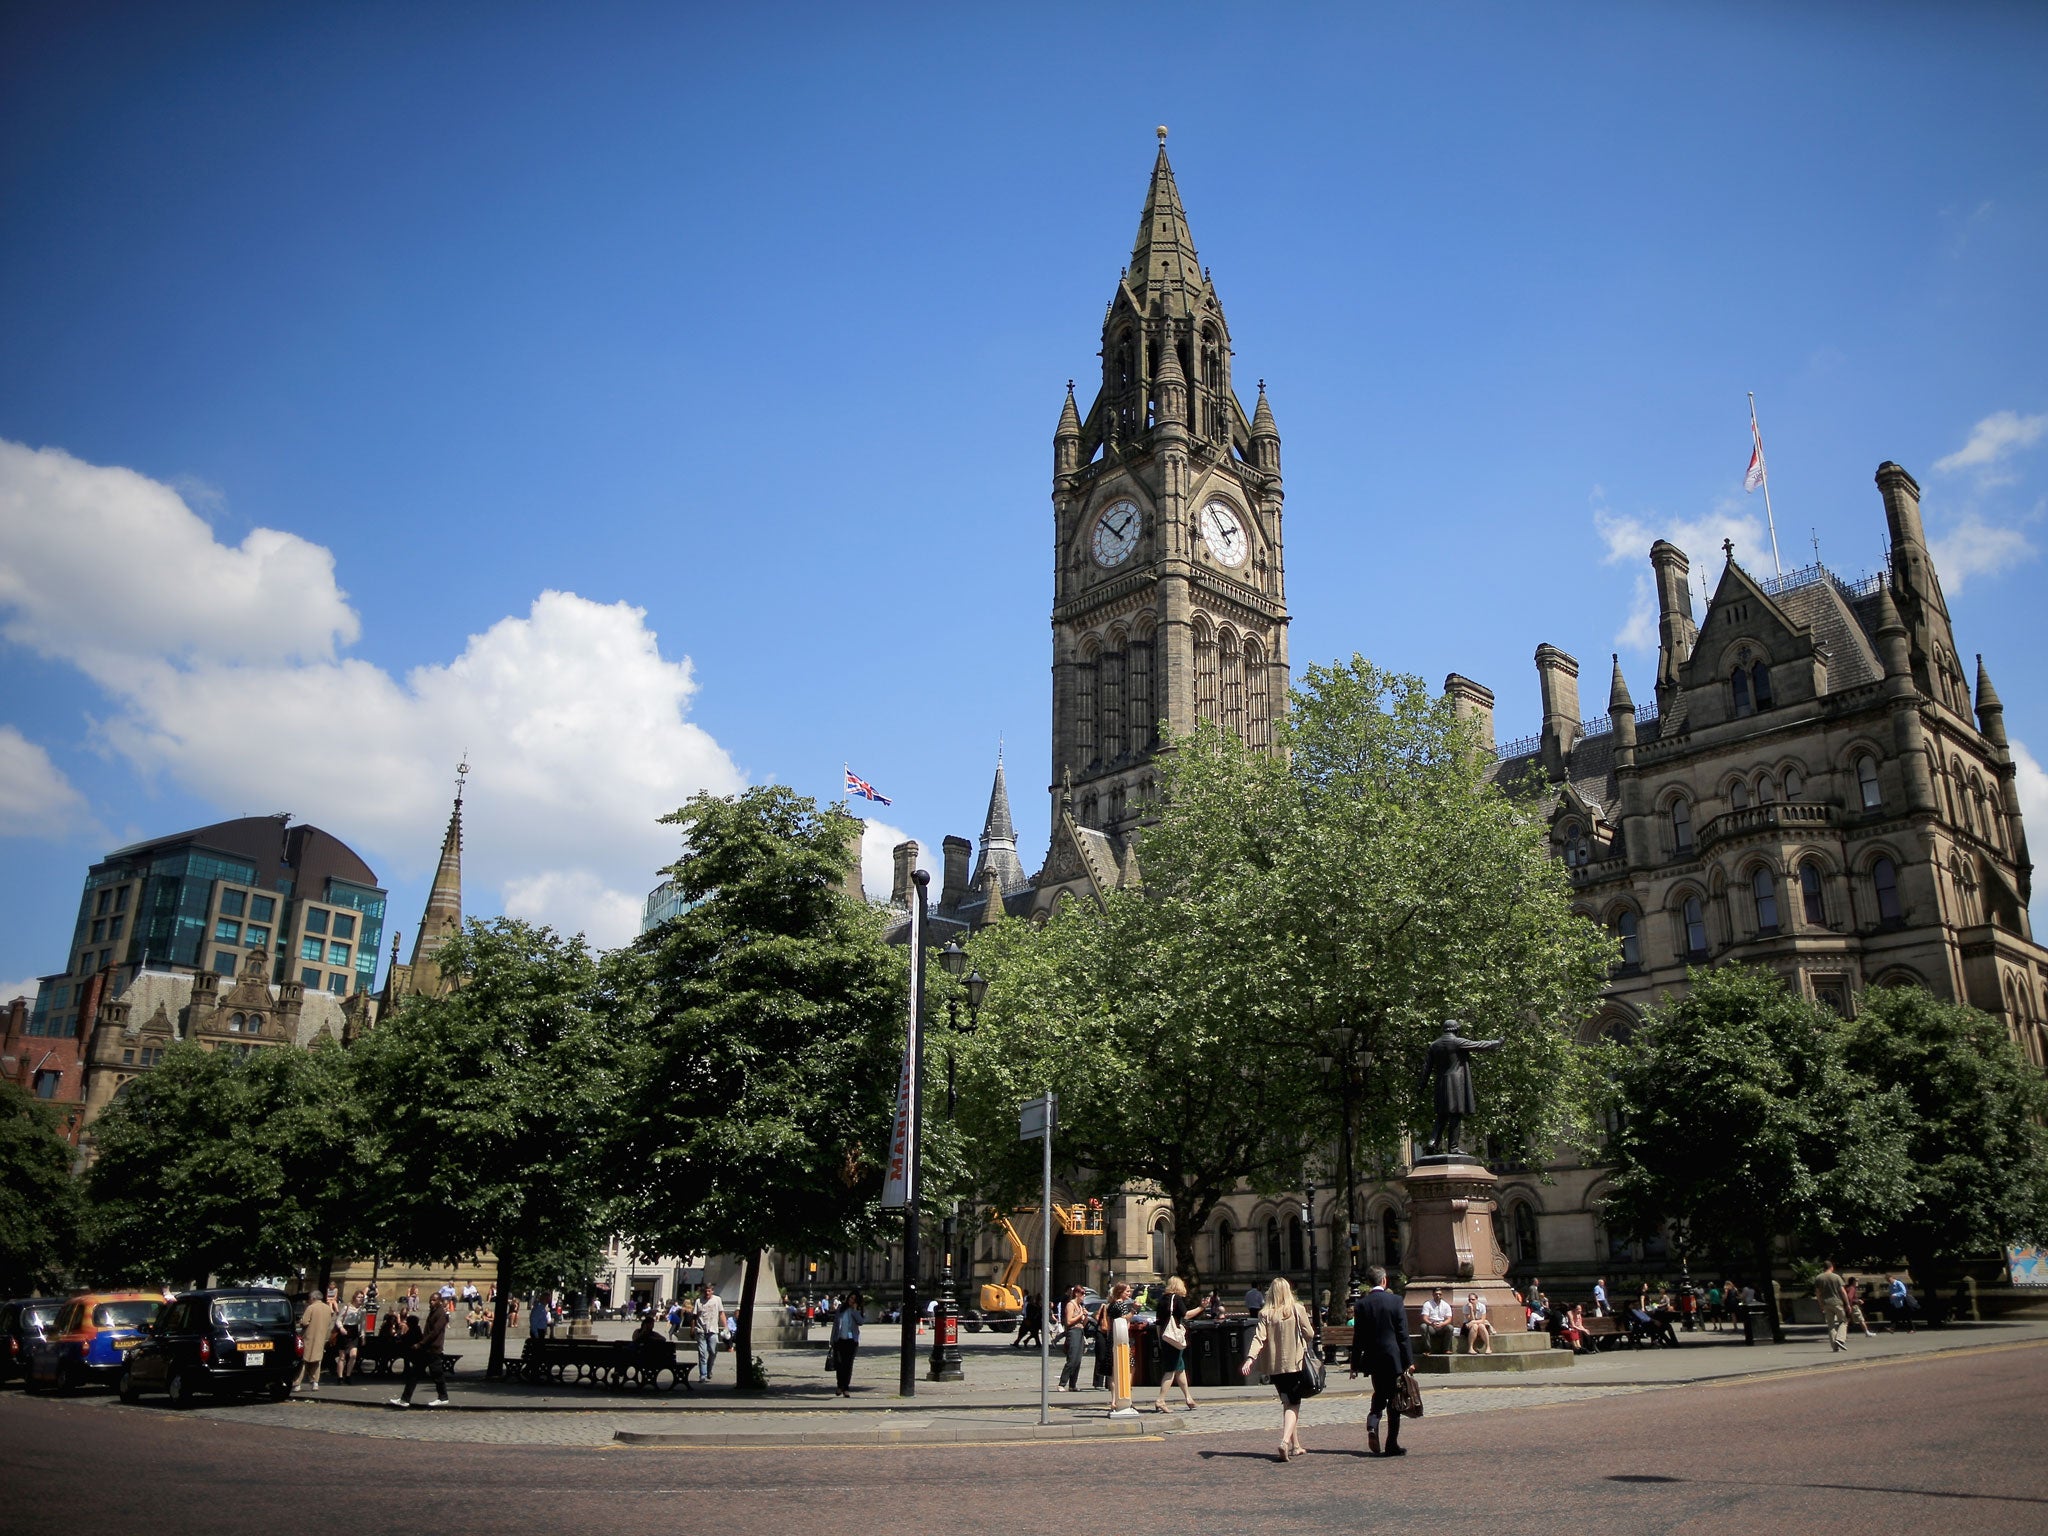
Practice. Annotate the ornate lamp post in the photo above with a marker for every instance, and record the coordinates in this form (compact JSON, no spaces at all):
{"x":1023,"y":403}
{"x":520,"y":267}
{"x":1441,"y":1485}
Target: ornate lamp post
{"x":1308,"y":1219}
{"x":946,"y":1364}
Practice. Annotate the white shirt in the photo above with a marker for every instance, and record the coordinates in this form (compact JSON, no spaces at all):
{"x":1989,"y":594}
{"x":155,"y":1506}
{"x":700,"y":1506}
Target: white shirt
{"x":1436,"y":1313}
{"x":1475,"y":1309}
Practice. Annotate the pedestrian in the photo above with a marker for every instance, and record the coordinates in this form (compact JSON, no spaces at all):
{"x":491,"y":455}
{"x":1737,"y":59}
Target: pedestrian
{"x":710,"y":1324}
{"x":1074,"y":1323}
{"x":1478,"y":1331}
{"x":1438,"y":1336}
{"x":1279,"y":1351}
{"x":412,"y":1300}
{"x":675,"y":1319}
{"x":1600,"y":1307}
{"x":1031,"y":1326}
{"x":1252,"y":1301}
{"x":1119,"y":1303}
{"x":1852,"y":1299}
{"x":315,"y":1324}
{"x":537,"y":1325}
{"x":349,"y":1343}
{"x":1212,"y":1307}
{"x":846,"y":1341}
{"x":424,"y":1355}
{"x":1833,"y":1297}
{"x":1900,"y":1303}
{"x":1379,"y":1346}
{"x":1172,"y":1314}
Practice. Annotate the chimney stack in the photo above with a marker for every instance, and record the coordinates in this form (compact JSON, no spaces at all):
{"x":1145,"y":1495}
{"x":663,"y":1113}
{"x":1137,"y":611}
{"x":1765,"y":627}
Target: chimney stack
{"x":1559,"y":676}
{"x":959,"y":856}
{"x":906,"y":863}
{"x":1472,"y":701}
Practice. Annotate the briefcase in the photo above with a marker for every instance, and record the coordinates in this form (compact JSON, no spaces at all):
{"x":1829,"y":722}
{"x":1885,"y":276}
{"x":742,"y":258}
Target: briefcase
{"x":1408,"y":1397}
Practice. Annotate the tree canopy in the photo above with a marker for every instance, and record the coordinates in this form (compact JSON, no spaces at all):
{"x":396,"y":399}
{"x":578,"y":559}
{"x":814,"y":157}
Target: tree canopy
{"x":767,"y":1026}
{"x":39,"y":1205}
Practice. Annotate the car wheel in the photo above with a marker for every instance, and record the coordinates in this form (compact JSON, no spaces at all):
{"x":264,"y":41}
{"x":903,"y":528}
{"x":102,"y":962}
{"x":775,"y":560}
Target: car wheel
{"x":69,"y":1379}
{"x":280,"y":1390}
{"x":179,"y":1386}
{"x":128,"y":1390}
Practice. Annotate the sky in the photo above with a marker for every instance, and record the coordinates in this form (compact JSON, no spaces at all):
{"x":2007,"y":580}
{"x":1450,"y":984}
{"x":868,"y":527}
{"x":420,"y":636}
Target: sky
{"x":634,"y":400}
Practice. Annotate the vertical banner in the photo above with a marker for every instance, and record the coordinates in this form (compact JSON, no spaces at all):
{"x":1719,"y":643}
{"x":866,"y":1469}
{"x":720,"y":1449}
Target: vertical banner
{"x":900,"y":1180}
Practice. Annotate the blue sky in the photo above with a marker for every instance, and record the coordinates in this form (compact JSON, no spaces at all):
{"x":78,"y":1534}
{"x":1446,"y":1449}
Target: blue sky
{"x":646,"y":398}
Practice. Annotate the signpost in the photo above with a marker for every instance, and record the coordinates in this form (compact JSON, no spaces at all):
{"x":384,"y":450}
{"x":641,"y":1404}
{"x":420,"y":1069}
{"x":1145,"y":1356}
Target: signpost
{"x":1036,"y":1121}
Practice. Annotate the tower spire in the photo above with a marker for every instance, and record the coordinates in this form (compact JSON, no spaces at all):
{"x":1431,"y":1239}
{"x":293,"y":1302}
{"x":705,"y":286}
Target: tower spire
{"x":999,"y":837}
{"x":1165,"y":271}
{"x":443,"y":915}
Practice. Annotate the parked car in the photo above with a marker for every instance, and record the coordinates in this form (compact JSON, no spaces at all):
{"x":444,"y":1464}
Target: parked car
{"x":232,"y":1342}
{"x":90,"y":1340}
{"x":22,"y":1322}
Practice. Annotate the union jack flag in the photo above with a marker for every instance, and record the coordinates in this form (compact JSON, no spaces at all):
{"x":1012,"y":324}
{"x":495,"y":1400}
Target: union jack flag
{"x":856,"y":785}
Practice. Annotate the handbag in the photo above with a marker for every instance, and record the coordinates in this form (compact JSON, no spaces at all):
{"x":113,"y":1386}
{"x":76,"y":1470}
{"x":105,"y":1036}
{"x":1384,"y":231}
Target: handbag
{"x":1173,"y":1333}
{"x":1315,"y":1375}
{"x":1408,"y":1396}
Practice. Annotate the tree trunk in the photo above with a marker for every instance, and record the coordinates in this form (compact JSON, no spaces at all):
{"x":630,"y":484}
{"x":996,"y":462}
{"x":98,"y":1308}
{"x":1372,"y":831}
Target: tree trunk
{"x":496,"y":1370}
{"x":743,"y":1344}
{"x":1185,"y":1235}
{"x":1347,"y":1209}
{"x":1767,"y":1287}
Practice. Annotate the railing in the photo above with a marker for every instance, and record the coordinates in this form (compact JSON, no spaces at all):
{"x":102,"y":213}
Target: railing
{"x":1758,"y":818}
{"x":1521,"y":746}
{"x":1809,"y":575}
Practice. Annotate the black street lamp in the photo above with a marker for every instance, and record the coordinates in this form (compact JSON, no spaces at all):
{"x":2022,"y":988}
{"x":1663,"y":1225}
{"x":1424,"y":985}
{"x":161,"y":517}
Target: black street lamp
{"x":1308,"y":1219}
{"x":946,"y":1362}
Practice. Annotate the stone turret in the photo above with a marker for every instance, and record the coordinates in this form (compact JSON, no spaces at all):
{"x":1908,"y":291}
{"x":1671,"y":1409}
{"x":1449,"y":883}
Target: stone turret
{"x":1066,"y":438}
{"x":1558,"y":675}
{"x":1265,"y":435}
{"x":1676,"y":631}
{"x":999,"y":838}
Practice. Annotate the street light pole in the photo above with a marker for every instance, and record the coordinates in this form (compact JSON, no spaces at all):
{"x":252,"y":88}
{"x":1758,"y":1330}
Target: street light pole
{"x":906,"y":1375}
{"x":946,"y":1364}
{"x":1308,"y":1219}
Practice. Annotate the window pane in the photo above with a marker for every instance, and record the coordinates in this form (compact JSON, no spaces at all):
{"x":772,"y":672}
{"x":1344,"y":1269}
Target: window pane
{"x":1739,"y":683}
{"x":1809,"y":891}
{"x":231,"y":903}
{"x":224,"y":961}
{"x":337,"y":954}
{"x":1760,"y":680}
{"x":316,"y":920}
{"x":311,"y":949}
{"x":1885,"y":876}
{"x":1795,"y":785}
{"x":115,"y":925}
{"x":1766,"y":890}
{"x":1695,"y":926}
{"x":338,"y":983}
{"x":227,"y":931}
{"x":309,"y":978}
{"x":256,"y":938}
{"x":1866,"y":782}
{"x":1739,"y":796}
{"x":344,"y":925}
{"x":262,"y":908}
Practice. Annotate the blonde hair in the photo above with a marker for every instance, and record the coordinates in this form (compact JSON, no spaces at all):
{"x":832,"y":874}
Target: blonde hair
{"x":1280,"y":1296}
{"x":1176,"y":1286}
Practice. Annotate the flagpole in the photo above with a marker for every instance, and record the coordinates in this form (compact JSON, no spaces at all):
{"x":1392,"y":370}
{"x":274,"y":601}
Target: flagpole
{"x":1770,"y":517}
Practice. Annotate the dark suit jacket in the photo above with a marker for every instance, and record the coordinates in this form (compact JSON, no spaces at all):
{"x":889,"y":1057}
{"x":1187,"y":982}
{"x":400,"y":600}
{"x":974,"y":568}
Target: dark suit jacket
{"x":1379,"y":1334}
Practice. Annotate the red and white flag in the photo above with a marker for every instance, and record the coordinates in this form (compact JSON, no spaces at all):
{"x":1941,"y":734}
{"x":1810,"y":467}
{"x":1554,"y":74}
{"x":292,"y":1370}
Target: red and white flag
{"x":1755,"y":477}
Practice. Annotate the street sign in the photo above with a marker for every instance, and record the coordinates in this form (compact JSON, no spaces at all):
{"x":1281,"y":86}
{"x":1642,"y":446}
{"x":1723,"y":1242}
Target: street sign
{"x":1036,"y":1118}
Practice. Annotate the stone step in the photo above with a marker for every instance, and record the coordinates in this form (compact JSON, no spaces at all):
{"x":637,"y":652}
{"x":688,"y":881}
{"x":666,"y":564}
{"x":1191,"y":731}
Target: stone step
{"x":1472,"y":1365}
{"x":1520,"y":1342}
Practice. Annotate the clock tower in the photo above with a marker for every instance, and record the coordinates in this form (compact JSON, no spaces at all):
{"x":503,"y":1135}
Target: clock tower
{"x":1169,"y":592}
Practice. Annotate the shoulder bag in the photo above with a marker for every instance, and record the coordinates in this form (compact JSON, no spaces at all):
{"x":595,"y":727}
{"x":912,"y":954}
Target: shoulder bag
{"x":1173,"y":1333}
{"x":1315,"y":1375}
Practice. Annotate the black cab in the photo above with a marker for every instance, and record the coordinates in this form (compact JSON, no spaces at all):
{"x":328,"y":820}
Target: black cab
{"x":236,"y":1341}
{"x":24,"y":1322}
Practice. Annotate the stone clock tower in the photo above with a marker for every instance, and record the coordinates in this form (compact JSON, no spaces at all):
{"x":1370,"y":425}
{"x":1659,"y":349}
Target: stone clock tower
{"x":1169,"y":594}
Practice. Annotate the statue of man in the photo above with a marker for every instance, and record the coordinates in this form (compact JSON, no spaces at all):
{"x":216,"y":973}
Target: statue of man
{"x":1449,"y":1074}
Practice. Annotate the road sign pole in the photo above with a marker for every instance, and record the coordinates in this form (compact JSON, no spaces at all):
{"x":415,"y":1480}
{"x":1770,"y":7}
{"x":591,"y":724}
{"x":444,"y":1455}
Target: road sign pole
{"x":1045,"y":1302}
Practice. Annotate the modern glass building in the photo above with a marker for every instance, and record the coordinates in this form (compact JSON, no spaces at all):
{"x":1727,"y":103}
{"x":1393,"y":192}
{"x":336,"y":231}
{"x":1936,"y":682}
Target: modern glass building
{"x":201,"y":900}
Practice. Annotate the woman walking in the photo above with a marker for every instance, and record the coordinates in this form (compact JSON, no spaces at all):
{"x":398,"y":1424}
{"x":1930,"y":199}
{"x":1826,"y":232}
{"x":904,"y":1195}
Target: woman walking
{"x":1173,"y":1344}
{"x":1279,"y":1351}
{"x":846,"y":1340}
{"x":1118,"y":1305}
{"x":1074,"y":1320}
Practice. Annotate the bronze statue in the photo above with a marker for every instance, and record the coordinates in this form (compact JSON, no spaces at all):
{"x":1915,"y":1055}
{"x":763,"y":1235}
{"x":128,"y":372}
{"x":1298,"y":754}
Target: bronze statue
{"x":1449,"y":1074}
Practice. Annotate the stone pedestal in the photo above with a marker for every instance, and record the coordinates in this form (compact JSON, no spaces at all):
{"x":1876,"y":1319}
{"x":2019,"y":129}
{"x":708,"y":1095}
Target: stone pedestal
{"x":1451,"y":1201}
{"x":728,"y":1272}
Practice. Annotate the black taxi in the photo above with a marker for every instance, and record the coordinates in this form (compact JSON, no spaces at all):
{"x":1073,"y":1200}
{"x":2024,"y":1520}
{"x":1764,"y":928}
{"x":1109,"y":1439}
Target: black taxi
{"x":236,"y":1341}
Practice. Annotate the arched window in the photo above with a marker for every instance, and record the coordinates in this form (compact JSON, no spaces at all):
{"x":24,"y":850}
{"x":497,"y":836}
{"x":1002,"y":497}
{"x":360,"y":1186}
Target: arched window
{"x":1681,"y":825}
{"x":1205,"y":672}
{"x":1738,"y":686}
{"x":1795,"y":784}
{"x":1257,"y":707}
{"x":254,"y":1026}
{"x":1815,"y":908}
{"x":1764,"y":887}
{"x":235,"y":1025}
{"x":1390,"y":1239}
{"x":1111,"y":684}
{"x":1760,"y":685}
{"x":1138,"y":709}
{"x":1527,"y":1250}
{"x":1766,"y":791}
{"x":1866,"y":783}
{"x":1230,"y":664}
{"x":1297,"y":1250}
{"x":1272,"y":1245}
{"x":1625,"y":928}
{"x":1162,"y":1246}
{"x":1695,"y":928}
{"x":1084,"y":707}
{"x":1738,"y":795}
{"x":1226,"y":1247}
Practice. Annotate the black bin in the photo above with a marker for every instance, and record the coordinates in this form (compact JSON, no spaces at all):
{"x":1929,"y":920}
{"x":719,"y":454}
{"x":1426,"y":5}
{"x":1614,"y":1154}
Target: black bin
{"x":1205,"y":1353}
{"x":1756,"y":1324}
{"x":1144,"y":1354}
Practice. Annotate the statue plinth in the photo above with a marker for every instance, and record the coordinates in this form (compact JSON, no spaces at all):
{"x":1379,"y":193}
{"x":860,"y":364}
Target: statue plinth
{"x":1451,"y":1201}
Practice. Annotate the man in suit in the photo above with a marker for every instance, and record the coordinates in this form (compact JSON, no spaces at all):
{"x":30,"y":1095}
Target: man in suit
{"x":1379,"y":1344}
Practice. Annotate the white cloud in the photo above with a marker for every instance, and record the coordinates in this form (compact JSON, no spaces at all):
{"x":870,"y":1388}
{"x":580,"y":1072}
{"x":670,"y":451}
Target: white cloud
{"x":2031,"y":779}
{"x":1629,"y":537}
{"x":1974,"y":547}
{"x":1996,"y":438}
{"x":36,"y":800}
{"x":25,"y":989}
{"x":225,"y":674}
{"x":878,"y":840}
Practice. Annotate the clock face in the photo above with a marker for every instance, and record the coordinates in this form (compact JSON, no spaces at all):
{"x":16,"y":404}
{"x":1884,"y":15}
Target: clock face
{"x":1116,"y":533}
{"x":1224,"y":534}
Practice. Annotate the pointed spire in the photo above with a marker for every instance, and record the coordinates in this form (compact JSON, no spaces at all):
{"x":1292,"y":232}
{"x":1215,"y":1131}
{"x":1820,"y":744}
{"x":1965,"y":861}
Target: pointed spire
{"x":1164,"y":270}
{"x":1990,"y":710}
{"x":1170,"y":386}
{"x":999,"y":837}
{"x":1617,"y":690}
{"x":1263,"y":424}
{"x":1070,"y":418}
{"x":443,"y":915}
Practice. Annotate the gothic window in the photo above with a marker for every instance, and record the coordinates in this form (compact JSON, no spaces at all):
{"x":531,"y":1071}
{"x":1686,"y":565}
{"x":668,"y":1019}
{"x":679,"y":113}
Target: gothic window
{"x":1258,"y":720}
{"x":1526,"y":1249}
{"x":1866,"y":783}
{"x":1884,"y":879}
{"x":1695,"y":928}
{"x":1795,"y":786}
{"x":1681,"y":825}
{"x":1626,"y":929}
{"x":1814,"y":908}
{"x":1764,"y":887}
{"x":1226,"y":1256}
{"x":1390,"y":1238}
{"x":1162,"y":1243}
{"x":1760,"y":685}
{"x":1297,"y":1254}
{"x":1230,"y":662}
{"x":1111,"y":685}
{"x":1738,"y":795}
{"x":1205,"y":672}
{"x":1138,"y":706}
{"x":1738,"y":685}
{"x":1214,"y":424}
{"x":1578,"y":852}
{"x":1273,"y":1244}
{"x":1766,"y":791}
{"x":1084,"y":709}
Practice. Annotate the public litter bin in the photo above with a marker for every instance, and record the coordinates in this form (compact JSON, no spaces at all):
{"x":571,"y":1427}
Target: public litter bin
{"x":1756,"y":1324}
{"x":1144,"y":1354}
{"x":1232,"y":1334}
{"x":1205,"y":1352}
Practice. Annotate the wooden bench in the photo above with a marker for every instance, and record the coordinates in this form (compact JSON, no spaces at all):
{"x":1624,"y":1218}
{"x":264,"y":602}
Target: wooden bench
{"x":384,"y":1353}
{"x":1607,"y":1332}
{"x":617,"y":1363}
{"x":1337,"y":1343}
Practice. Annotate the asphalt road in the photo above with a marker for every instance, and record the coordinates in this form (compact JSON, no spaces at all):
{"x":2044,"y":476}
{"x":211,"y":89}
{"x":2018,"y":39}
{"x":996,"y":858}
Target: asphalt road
{"x":1949,"y":1444}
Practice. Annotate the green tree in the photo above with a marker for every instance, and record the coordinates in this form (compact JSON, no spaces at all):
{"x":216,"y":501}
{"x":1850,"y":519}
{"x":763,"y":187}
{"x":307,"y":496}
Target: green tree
{"x":39,"y":1201}
{"x":487,"y":1110}
{"x":217,"y":1164}
{"x":1976,"y":1154}
{"x":768,"y":1027}
{"x":1740,"y":1118}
